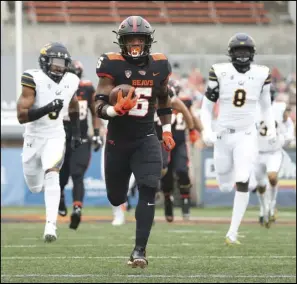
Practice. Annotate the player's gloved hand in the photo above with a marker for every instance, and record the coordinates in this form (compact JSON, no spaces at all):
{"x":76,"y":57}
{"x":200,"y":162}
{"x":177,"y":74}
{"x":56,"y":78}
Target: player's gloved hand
{"x":55,"y":106}
{"x":168,"y":142}
{"x":96,"y":139}
{"x":193,"y":135}
{"x":125,"y":104}
{"x":75,"y":142}
{"x":209,"y":137}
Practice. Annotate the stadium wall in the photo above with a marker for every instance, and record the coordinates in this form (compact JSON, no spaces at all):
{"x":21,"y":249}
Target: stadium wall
{"x":14,"y":191}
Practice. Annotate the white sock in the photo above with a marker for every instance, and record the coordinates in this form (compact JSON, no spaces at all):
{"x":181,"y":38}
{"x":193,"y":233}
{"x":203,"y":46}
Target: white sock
{"x":241,"y":201}
{"x":274,"y":190}
{"x":262,"y":203}
{"x":52,"y":193}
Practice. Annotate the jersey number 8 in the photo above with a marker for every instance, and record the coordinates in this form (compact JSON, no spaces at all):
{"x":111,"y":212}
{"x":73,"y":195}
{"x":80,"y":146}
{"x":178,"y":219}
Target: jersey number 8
{"x":239,"y":98}
{"x":53,"y":115}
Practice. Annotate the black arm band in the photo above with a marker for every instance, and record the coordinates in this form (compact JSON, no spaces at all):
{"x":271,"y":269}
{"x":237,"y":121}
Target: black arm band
{"x":34,"y":114}
{"x":102,"y":97}
{"x":164,"y":111}
{"x":212,"y":94}
{"x":102,"y":111}
{"x":96,"y":132}
{"x":75,"y":123}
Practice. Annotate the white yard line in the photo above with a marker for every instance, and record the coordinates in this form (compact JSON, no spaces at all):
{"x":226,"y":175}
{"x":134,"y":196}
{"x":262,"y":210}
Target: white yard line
{"x":152,"y":257}
{"x":119,"y":245}
{"x":146,"y":276}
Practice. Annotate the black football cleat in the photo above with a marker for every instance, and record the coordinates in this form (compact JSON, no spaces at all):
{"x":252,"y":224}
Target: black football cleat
{"x":62,"y":207}
{"x":75,"y":217}
{"x":138,"y":258}
{"x":168,"y":206}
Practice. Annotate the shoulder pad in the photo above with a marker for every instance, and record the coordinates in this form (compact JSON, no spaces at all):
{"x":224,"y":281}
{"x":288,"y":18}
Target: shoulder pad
{"x":73,"y":78}
{"x":263,"y":71}
{"x":159,"y":56}
{"x":220,"y":66}
{"x":114,"y":56}
{"x":27,"y":78}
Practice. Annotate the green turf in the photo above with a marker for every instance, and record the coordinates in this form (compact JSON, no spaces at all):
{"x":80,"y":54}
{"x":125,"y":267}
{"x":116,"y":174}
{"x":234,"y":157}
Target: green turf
{"x":97,"y":252}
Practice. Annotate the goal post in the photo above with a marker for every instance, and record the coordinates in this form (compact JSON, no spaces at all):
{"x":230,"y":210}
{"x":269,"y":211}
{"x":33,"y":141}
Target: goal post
{"x":19,"y":45}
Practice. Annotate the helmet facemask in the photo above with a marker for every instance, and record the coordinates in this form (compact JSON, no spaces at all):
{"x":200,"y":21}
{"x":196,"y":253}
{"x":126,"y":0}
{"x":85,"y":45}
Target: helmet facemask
{"x":135,"y":45}
{"x":57,"y":67}
{"x":242,"y":56}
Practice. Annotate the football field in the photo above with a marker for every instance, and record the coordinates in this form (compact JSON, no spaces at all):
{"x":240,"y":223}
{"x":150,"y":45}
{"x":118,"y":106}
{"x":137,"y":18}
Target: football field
{"x":178,"y":252}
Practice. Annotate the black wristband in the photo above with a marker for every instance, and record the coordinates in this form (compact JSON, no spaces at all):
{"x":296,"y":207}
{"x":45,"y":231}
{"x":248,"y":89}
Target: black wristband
{"x":34,"y":114}
{"x":75,"y":124}
{"x":96,"y":132}
{"x":102,"y":97}
{"x":164,"y":111}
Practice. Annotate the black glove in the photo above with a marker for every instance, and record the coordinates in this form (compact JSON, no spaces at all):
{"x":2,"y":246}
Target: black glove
{"x":52,"y":110}
{"x":55,"y":106}
{"x":96,"y":139}
{"x":75,"y":142}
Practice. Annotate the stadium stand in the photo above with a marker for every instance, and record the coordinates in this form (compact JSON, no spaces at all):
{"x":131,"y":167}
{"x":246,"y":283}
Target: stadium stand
{"x":186,"y":12}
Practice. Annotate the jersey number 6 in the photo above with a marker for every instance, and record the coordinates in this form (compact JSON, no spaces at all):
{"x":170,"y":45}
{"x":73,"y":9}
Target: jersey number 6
{"x":239,"y":98}
{"x":142,"y":106}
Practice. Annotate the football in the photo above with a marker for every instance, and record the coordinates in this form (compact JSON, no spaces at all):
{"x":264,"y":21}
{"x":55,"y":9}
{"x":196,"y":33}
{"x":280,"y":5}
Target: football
{"x":114,"y":93}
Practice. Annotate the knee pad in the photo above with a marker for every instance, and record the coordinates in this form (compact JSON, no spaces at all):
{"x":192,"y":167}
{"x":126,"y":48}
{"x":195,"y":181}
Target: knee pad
{"x":147,"y":194}
{"x":273,"y":179}
{"x":185,"y":189}
{"x":261,"y":189}
{"x":242,"y":186}
{"x":226,"y":182}
{"x":226,"y":187}
{"x":34,"y":184}
{"x":184,"y":182}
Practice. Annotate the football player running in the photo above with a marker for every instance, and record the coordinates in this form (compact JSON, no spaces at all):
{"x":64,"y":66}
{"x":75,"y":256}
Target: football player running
{"x":238,"y":86}
{"x":47,"y":95}
{"x":270,"y":160}
{"x":177,"y":161}
{"x":76,"y":162}
{"x":132,"y":145}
